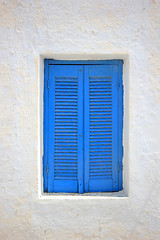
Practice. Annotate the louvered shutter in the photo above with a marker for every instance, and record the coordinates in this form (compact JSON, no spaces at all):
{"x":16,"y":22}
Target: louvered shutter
{"x":101,"y":128}
{"x":65,"y":153}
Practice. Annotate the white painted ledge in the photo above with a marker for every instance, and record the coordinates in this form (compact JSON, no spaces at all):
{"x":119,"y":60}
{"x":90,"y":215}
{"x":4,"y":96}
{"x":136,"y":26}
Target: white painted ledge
{"x":84,"y":196}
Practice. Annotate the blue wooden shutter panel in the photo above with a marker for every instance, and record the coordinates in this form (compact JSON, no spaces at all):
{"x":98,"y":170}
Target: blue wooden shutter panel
{"x":65,"y":129}
{"x":101,"y":128}
{"x":83,"y":127}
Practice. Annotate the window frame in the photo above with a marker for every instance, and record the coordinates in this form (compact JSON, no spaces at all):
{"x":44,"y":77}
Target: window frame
{"x":48,"y":62}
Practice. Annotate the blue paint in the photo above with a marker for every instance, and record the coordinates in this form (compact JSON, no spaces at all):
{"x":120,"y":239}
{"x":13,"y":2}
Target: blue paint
{"x":83,"y":126}
{"x":101,"y":128}
{"x":51,"y":127}
{"x":85,"y":62}
{"x":115,"y":128}
{"x":65,"y":133}
{"x":86,"y":128}
{"x":120,"y":122}
{"x":45,"y":128}
{"x":80,"y":129}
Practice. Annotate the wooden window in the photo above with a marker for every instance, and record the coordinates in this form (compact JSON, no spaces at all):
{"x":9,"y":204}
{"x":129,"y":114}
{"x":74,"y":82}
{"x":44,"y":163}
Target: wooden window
{"x":83,"y":117}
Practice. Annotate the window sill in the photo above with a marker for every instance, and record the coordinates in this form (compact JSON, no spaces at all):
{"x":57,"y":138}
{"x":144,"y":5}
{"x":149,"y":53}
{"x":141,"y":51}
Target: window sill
{"x":84,"y":196}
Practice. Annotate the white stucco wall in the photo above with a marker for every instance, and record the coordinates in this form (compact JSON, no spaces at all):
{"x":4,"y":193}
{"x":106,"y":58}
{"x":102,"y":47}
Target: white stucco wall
{"x":78,"y":29}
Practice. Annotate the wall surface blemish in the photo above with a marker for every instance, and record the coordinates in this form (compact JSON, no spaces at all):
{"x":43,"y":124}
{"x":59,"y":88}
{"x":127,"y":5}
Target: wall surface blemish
{"x":31,"y":30}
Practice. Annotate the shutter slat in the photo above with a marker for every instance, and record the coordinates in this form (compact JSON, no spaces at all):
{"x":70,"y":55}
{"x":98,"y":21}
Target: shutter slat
{"x":68,"y":172}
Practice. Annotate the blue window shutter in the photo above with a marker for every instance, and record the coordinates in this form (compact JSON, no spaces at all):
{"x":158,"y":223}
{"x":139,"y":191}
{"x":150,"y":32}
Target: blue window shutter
{"x":83,"y":122}
{"x":101,"y":128}
{"x":65,"y":130}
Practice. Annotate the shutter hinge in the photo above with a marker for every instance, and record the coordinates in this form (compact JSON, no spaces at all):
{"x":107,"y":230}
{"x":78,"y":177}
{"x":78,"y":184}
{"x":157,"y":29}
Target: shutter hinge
{"x":118,"y":166}
{"x":48,"y":83}
{"x":47,"y":168}
{"x":118,"y":85}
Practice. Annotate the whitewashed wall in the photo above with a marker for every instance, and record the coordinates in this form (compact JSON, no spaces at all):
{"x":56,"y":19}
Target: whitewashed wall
{"x":78,"y":29}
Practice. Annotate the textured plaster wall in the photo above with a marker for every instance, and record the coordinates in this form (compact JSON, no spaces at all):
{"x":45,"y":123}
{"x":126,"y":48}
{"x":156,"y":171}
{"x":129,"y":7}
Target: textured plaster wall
{"x":128,"y":29}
